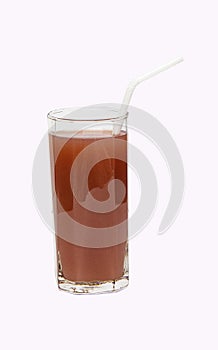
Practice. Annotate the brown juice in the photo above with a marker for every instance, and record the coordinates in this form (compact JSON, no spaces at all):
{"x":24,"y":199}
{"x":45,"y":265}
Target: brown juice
{"x":84,"y":262}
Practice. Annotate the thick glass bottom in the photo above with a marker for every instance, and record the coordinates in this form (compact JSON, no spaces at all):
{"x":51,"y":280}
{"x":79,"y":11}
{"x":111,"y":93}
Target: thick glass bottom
{"x":96,"y":287}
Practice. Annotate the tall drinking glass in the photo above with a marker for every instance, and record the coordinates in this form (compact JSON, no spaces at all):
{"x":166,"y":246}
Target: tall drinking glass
{"x":88,"y":157}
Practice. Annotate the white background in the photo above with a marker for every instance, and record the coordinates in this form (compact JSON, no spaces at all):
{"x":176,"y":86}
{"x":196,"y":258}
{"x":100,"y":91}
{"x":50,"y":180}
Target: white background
{"x":65,"y":53}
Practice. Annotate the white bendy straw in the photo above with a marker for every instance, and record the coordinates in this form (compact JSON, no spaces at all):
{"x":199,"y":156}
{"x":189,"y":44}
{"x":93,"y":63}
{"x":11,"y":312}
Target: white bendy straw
{"x":132,"y":85}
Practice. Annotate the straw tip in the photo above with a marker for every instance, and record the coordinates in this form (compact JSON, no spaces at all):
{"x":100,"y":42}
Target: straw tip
{"x":180,"y":59}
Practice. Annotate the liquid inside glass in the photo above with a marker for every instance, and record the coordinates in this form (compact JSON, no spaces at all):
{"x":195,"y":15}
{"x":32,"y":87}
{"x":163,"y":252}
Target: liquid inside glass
{"x":85,"y":265}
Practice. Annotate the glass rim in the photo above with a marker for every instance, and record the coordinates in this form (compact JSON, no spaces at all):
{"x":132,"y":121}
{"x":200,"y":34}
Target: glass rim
{"x":61,"y":118}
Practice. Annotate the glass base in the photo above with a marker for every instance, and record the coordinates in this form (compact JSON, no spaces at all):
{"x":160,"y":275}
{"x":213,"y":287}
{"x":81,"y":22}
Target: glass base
{"x":97,"y":287}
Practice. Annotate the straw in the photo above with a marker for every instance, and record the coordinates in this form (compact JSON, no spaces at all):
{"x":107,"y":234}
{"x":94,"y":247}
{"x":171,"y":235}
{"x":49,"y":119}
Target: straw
{"x":132,"y":85}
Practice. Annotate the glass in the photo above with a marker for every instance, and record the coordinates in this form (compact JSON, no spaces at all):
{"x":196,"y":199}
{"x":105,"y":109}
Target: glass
{"x":88,"y":158}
